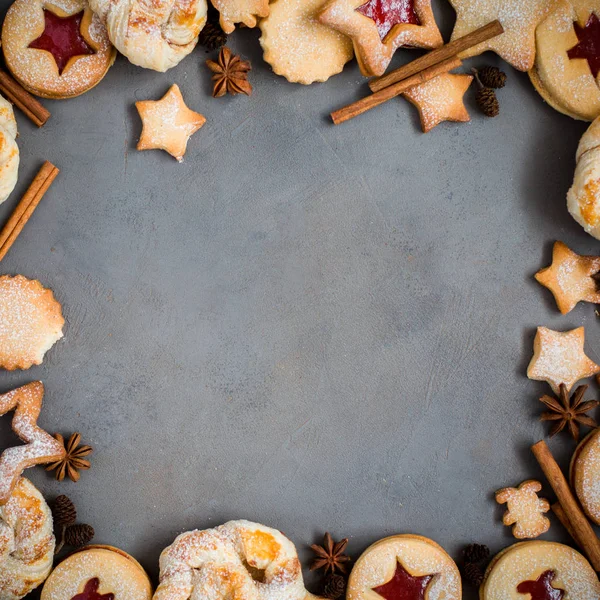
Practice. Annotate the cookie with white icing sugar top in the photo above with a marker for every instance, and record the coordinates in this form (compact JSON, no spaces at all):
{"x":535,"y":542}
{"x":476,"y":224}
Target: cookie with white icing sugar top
{"x":585,"y":475}
{"x":539,"y":570}
{"x":409,"y":563}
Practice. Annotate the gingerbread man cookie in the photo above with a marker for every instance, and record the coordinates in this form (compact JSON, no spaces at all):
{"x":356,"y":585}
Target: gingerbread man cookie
{"x":585,"y":475}
{"x":519,"y":19}
{"x":525,"y":510}
{"x":379,"y":27}
{"x":300,"y":48}
{"x":567,"y":61}
{"x":540,"y":571}
{"x":240,"y":11}
{"x":406,"y":566}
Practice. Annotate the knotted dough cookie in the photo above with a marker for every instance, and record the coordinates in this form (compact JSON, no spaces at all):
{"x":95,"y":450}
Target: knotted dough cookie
{"x":154,"y":34}
{"x":9,"y":151}
{"x":239,"y":559}
{"x":26,"y":541}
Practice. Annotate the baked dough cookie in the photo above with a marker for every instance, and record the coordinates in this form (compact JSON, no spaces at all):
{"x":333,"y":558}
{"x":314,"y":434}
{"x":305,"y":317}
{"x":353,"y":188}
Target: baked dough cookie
{"x":56,"y":49}
{"x":525,"y":510}
{"x":519,"y":19}
{"x":9,"y":151}
{"x":239,"y":559}
{"x":154,"y":34}
{"x":565,"y":81}
{"x":31,"y":322}
{"x":240,"y":11}
{"x":406,"y":564}
{"x":99,"y":573}
{"x":583,"y":199}
{"x":541,"y":569}
{"x":379,"y":27}
{"x":26,"y":541}
{"x":585,"y":475}
{"x":300,"y":48}
{"x":570,"y":278}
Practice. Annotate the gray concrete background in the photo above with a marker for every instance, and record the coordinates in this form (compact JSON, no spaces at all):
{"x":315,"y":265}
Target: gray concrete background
{"x":314,"y":327}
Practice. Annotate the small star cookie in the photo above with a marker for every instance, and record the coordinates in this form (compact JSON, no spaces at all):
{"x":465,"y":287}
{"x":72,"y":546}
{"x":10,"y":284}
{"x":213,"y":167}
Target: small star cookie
{"x":519,"y":19}
{"x":558,"y":357}
{"x":525,"y":510}
{"x":379,"y":27}
{"x":240,"y":11}
{"x":440,"y":99}
{"x":570,"y":278}
{"x":168,"y":123}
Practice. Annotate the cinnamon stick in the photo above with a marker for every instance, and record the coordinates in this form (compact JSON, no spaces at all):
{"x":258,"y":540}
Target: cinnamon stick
{"x":26,"y":206}
{"x":438,"y":55}
{"x":561,"y":515}
{"x":369,"y":102}
{"x":582,"y":530}
{"x":22,"y":99}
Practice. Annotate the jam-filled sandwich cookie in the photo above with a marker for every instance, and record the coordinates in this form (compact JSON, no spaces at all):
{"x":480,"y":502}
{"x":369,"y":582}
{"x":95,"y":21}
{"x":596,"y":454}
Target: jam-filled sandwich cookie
{"x":56,"y":49}
{"x":404,"y":567}
{"x":98,"y":573}
{"x":240,"y":559}
{"x":379,"y":27}
{"x":567,"y":62}
{"x":300,"y":48}
{"x":26,"y":541}
{"x":540,"y":571}
{"x":585,"y":475}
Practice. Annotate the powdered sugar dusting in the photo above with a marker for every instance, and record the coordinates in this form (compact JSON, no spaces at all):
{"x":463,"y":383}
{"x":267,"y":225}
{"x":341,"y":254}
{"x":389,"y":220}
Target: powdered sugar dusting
{"x":586,"y":475}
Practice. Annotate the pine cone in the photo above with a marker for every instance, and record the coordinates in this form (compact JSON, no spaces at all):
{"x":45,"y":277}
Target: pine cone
{"x":476,"y":553}
{"x":473,"y":574}
{"x":487,"y":102}
{"x":492,"y":77}
{"x":63,"y":511}
{"x":212,"y":37}
{"x":79,"y":535}
{"x":335,"y":587}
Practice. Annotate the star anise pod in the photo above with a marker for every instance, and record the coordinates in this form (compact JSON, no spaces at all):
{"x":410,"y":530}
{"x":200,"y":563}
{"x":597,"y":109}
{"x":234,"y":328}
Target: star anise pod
{"x":74,"y":459}
{"x":330,"y":556}
{"x":569,"y":412}
{"x":230,"y":74}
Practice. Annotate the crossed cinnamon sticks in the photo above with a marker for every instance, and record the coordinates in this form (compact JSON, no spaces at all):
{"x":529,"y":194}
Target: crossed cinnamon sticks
{"x":423,"y":69}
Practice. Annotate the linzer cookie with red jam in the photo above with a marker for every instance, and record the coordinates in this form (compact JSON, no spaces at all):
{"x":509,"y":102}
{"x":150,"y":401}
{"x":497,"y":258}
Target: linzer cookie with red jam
{"x":404,"y":567}
{"x":585,"y":475}
{"x":98,"y":573}
{"x":540,"y":571}
{"x":379,"y":27}
{"x":567,"y":62}
{"x":56,"y":50}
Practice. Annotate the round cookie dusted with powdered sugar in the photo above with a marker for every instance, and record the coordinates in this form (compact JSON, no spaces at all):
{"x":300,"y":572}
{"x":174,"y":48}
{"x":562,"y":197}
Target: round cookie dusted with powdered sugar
{"x":585,"y":475}
{"x":300,"y":48}
{"x":56,"y":48}
{"x":31,"y":322}
{"x":539,"y":570}
{"x":404,"y":564}
{"x":98,"y":572}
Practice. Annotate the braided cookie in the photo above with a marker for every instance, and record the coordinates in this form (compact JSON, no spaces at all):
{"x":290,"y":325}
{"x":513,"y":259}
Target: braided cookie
{"x":26,"y":541}
{"x":239,"y":559}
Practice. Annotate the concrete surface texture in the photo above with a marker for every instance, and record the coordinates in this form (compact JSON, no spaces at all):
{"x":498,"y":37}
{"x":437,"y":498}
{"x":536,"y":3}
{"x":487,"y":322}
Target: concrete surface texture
{"x":314,"y":327}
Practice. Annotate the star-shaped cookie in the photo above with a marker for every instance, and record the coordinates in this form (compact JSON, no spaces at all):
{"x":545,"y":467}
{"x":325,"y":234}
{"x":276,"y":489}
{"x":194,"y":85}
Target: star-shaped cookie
{"x":519,"y":19}
{"x":168,"y":123}
{"x":41,"y":447}
{"x":525,"y":510}
{"x":379,"y":27}
{"x":440,"y":99}
{"x":240,"y":11}
{"x":558,"y":357}
{"x":570,"y":278}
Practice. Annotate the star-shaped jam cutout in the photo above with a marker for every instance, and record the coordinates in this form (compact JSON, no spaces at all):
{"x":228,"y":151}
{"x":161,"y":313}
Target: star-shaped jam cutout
{"x":404,"y":586}
{"x":387,"y":13}
{"x":571,"y":278}
{"x":589,"y":43}
{"x":541,"y":588}
{"x":62,"y":38}
{"x":558,"y":357}
{"x":90,"y":592}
